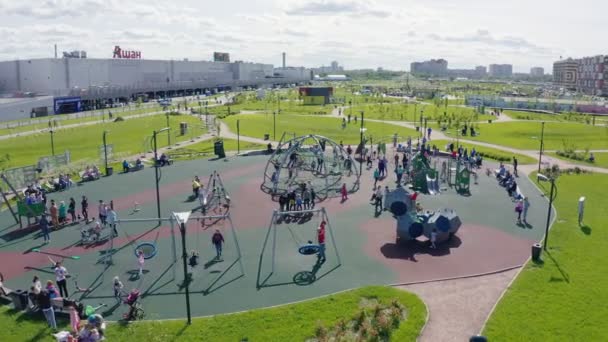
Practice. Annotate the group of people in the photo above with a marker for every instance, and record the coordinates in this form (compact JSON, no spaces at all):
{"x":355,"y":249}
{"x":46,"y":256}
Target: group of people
{"x":127,"y":167}
{"x":474,"y":160}
{"x":91,"y":173}
{"x":507,"y":180}
{"x":298,"y":198}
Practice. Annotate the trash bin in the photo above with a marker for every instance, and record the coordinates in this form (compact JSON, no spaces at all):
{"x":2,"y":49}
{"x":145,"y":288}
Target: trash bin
{"x":218,"y":148}
{"x":266,"y":136}
{"x":417,"y":128}
{"x":109,"y":171}
{"x":478,"y":338}
{"x":23,"y":298}
{"x":183,"y":128}
{"x":536,"y":249}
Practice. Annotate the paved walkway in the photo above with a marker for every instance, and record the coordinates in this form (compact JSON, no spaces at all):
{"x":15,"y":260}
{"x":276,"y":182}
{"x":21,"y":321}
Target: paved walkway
{"x":459,"y":308}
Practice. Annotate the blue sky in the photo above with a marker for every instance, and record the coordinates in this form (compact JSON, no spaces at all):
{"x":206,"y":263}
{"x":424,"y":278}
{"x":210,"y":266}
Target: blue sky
{"x":357,"y":33}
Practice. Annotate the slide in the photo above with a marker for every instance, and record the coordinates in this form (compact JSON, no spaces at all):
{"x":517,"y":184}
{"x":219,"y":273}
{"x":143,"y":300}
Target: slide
{"x":431,"y":185}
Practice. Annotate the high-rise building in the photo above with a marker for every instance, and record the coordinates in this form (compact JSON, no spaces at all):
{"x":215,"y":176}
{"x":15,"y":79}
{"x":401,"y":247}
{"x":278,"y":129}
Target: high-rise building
{"x":591,"y":75}
{"x":434,"y":67}
{"x":537,"y":72}
{"x":481,"y":71}
{"x":565,"y":73}
{"x":332,"y":68}
{"x":500,"y":70}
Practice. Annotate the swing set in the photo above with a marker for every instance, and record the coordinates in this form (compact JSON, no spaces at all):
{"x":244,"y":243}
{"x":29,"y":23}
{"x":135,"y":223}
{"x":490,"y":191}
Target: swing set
{"x":303,"y":246}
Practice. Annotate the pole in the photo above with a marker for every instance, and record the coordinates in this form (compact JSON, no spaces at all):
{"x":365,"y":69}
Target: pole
{"x":156,"y":178}
{"x":52,"y":142}
{"x":168,"y":133}
{"x":274,"y":125}
{"x":238,"y":137}
{"x":182,"y":229}
{"x":551,"y":197}
{"x":540,"y":153}
{"x":362,"y":147}
{"x":105,"y":151}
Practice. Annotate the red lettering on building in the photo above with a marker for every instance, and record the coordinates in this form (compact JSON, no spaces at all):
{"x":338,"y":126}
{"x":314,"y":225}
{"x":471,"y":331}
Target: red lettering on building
{"x":120,"y":53}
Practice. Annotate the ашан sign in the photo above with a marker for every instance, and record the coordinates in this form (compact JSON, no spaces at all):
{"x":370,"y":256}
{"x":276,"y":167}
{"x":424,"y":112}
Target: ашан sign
{"x":129,"y":54}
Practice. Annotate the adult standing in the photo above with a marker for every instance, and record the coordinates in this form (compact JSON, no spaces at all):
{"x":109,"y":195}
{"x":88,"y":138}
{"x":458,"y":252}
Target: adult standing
{"x":515,"y":163}
{"x":44,"y":301}
{"x":60,"y":275}
{"x":429,"y":131}
{"x":44,"y":228}
{"x":378,"y":200}
{"x":112,"y":218}
{"x":54,"y":214}
{"x":526,"y":207}
{"x":103,"y":212}
{"x":399,"y":172}
{"x":84,"y":208}
{"x":72,"y":209}
{"x":218,"y":240}
{"x":321,"y":242}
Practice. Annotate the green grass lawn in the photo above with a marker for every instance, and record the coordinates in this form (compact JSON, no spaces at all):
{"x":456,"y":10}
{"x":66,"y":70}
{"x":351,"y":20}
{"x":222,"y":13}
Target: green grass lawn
{"x":204,"y":148}
{"x":563,"y":298}
{"x":601,"y":159}
{"x":564,"y":117}
{"x":411,"y":112}
{"x":83,"y":142}
{"x":526,"y":135}
{"x":27,"y":125}
{"x":255,"y":125}
{"x":295,"y":322}
{"x":488,"y":152}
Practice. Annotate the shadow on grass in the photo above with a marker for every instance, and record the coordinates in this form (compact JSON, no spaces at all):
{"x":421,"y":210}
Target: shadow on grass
{"x":541,"y":263}
{"x":586,"y":229}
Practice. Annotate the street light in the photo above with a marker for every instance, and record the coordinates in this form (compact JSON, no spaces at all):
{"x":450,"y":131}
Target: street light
{"x":52,"y":141}
{"x":362,"y":146}
{"x":187,"y":279}
{"x":169,"y":127}
{"x":105,"y":151}
{"x":156,"y":166}
{"x":542,"y":147}
{"x":552,"y":196}
{"x":274,"y":126}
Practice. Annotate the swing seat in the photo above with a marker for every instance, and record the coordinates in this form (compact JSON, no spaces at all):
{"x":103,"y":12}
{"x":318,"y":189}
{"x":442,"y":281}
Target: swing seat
{"x":309,"y":249}
{"x":148,"y":248}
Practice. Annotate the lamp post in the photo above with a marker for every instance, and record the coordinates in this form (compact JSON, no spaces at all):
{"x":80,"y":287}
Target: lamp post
{"x":182,"y":230}
{"x":238,"y":137}
{"x":105,"y":151}
{"x":552,"y":196}
{"x":156,"y":166}
{"x":542,"y":147}
{"x":274,"y":126}
{"x":362,"y":146}
{"x":52,"y":141}
{"x":169,"y":127}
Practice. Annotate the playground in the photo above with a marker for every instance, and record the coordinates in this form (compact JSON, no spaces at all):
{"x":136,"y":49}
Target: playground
{"x":264,"y":260}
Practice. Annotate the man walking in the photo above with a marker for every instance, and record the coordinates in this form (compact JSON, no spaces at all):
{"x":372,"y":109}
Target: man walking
{"x":112,"y":218}
{"x":103,"y":212}
{"x":515,"y":163}
{"x":218,"y":239}
{"x":84,"y":205}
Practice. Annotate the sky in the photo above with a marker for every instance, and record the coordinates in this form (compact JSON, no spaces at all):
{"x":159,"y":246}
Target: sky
{"x":356,"y":33}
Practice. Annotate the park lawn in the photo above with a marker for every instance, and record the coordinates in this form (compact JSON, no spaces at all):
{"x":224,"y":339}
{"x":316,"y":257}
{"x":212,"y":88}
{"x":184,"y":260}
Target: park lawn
{"x":205,"y":147}
{"x":130,"y":136}
{"x":411,"y":112}
{"x":256,"y":125}
{"x":601,"y":159}
{"x":563,"y":298}
{"x":488,"y":152}
{"x":526,"y":135}
{"x":293,"y":322}
{"x":563,"y":117}
{"x":26,"y":125}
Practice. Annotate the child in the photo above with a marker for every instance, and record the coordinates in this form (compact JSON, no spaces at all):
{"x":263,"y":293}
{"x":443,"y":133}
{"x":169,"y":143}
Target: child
{"x":433,"y":238}
{"x":298,"y":201}
{"x":36,"y":283}
{"x":193,"y":260}
{"x":74,"y":319}
{"x":141,"y":260}
{"x":519,"y":208}
{"x":344,"y":192}
{"x":117,"y":285}
{"x":51,"y":289}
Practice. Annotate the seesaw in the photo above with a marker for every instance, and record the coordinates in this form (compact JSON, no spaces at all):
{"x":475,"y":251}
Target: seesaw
{"x":73,"y":257}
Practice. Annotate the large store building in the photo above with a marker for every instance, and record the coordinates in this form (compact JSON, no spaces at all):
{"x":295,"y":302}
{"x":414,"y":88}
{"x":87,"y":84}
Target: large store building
{"x":587,"y":75}
{"x":47,"y":86}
